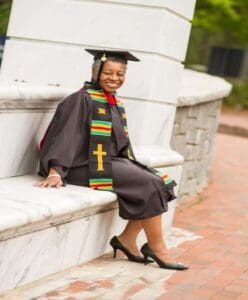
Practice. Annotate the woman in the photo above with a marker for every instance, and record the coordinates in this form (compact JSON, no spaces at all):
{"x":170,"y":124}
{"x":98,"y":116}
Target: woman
{"x":87,"y":144}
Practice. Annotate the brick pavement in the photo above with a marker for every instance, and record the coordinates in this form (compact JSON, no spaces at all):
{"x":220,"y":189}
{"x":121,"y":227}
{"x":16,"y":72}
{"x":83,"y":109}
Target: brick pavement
{"x":219,"y":261}
{"x":214,"y":243}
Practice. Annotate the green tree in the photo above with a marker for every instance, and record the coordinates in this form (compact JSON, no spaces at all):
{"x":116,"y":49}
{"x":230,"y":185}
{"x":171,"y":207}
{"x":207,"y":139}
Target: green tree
{"x":225,"y":18}
{"x":5,"y":6}
{"x":217,"y":22}
{"x":221,"y":23}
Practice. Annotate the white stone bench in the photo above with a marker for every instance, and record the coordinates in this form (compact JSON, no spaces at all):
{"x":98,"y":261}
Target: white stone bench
{"x":25,"y":208}
{"x":43,"y":231}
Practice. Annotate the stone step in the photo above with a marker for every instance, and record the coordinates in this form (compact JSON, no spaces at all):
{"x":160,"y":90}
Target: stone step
{"x":106,"y":277}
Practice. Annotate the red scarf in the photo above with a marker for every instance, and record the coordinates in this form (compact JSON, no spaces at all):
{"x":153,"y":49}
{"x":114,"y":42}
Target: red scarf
{"x":111,"y":98}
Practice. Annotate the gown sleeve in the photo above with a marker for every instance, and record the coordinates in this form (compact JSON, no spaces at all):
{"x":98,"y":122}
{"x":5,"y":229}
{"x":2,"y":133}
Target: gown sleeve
{"x":64,"y":136}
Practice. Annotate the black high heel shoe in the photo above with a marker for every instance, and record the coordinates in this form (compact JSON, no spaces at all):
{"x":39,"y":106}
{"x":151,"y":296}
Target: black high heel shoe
{"x":147,"y":252}
{"x":117,"y":245}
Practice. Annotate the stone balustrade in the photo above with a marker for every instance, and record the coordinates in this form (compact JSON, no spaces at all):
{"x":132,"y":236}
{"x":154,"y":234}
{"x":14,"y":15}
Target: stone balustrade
{"x":195,"y":126}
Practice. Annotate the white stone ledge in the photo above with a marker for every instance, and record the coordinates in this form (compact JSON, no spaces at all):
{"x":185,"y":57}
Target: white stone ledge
{"x":24,"y":97}
{"x":197,"y":87}
{"x":29,"y":93}
{"x":24,"y":208}
{"x":155,"y":156}
{"x":185,"y":9}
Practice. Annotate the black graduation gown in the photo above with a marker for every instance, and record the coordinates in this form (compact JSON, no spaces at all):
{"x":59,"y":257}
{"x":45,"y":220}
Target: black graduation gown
{"x":141,"y":193}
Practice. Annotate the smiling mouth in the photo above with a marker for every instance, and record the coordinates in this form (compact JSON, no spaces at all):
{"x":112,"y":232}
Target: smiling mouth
{"x":113,"y":85}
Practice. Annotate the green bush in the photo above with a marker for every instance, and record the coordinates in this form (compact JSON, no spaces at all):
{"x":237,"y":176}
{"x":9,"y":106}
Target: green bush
{"x":239,"y":95}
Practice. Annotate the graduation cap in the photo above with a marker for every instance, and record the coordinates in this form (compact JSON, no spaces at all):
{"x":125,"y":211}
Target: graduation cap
{"x":105,"y":54}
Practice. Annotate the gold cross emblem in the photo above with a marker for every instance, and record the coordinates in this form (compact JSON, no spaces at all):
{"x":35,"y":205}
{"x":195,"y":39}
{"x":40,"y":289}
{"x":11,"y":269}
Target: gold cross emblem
{"x":101,"y":111}
{"x":124,"y":116}
{"x":99,"y":152}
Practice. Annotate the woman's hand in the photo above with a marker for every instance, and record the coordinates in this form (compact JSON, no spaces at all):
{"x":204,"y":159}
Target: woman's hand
{"x":52,"y":180}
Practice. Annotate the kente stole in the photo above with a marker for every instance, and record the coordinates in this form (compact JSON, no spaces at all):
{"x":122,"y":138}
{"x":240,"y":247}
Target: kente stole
{"x":100,"y":167}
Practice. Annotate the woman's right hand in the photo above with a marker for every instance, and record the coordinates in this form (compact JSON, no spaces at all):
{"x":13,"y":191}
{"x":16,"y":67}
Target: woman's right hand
{"x":52,"y":180}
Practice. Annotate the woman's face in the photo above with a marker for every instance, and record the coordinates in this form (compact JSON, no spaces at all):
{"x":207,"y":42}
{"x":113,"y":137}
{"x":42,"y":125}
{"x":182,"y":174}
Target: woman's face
{"x":112,"y":76}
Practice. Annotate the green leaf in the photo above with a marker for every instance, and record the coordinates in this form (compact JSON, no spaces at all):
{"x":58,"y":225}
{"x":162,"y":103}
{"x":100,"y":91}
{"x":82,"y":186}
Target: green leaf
{"x":5,"y":6}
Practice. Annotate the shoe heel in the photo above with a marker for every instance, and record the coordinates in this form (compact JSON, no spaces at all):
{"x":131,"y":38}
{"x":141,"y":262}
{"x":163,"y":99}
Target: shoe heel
{"x":146,"y":260}
{"x":117,"y":245}
{"x":115,"y":252}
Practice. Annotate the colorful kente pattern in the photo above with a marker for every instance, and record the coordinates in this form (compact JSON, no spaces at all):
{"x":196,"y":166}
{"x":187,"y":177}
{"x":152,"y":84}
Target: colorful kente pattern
{"x":97,"y":95}
{"x":125,"y":130}
{"x":102,"y":184}
{"x":100,"y":128}
{"x":166,"y":178}
{"x":103,"y":127}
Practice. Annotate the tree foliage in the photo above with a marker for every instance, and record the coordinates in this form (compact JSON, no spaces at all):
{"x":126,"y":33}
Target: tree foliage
{"x":227,"y":18}
{"x":221,"y":23}
{"x":5,"y":6}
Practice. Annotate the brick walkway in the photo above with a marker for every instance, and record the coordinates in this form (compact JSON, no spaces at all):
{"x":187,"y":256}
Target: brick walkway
{"x":219,"y":261}
{"x":215,"y":247}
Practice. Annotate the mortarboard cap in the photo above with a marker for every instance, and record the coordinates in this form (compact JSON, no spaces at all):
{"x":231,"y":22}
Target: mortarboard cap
{"x":104,"y":54}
